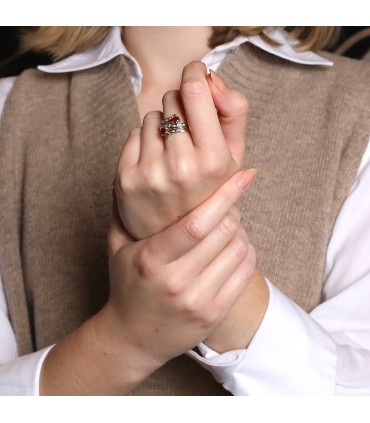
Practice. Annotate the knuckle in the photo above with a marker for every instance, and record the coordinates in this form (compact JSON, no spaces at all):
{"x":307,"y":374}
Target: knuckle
{"x":134,"y":132}
{"x":170,"y":96}
{"x":146,"y":264}
{"x":241,"y":104}
{"x":194,"y":228}
{"x":188,"y":306}
{"x":153,"y":115}
{"x":229,"y":224}
{"x":235,"y":211}
{"x":123,"y":183}
{"x":190,"y":65}
{"x":173,"y":289}
{"x":179,"y":298}
{"x":182,"y":172}
{"x":192,"y":88}
{"x":191,"y":305}
{"x":240,"y":246}
{"x":249,"y":269}
{"x":194,"y":64}
{"x":214,"y":167}
{"x":152,"y":179}
{"x":209,"y":319}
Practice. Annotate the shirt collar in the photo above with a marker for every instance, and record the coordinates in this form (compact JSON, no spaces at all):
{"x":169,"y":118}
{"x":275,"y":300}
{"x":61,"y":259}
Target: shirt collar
{"x":113,"y":46}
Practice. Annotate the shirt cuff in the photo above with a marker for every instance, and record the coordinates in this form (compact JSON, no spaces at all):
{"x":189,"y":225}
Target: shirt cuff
{"x":290,"y":354}
{"x":22,"y":375}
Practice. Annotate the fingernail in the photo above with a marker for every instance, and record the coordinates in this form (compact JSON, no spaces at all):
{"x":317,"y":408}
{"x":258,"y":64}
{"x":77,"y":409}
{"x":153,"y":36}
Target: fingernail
{"x":246,"y":178}
{"x":218,"y":81}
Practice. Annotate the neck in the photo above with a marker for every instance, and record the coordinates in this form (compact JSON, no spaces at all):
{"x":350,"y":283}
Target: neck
{"x":162,"y":52}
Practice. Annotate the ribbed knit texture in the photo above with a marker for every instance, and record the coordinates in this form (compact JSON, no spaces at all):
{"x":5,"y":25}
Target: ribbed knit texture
{"x":307,"y":131}
{"x":60,"y":140}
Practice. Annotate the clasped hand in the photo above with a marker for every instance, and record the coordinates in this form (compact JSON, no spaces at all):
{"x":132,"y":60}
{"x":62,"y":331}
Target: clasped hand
{"x":179,"y":257}
{"x":158,"y":181}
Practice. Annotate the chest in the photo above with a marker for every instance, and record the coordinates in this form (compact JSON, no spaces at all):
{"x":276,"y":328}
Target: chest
{"x":57,"y":179}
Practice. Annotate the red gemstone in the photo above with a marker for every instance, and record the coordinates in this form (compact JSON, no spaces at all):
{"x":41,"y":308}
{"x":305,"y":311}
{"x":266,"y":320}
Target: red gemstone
{"x":175,"y":119}
{"x":163,"y":131}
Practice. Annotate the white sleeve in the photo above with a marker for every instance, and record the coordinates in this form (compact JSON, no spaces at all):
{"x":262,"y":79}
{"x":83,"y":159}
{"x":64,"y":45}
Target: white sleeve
{"x":6,"y":84}
{"x":22,"y":375}
{"x":325,"y":352}
{"x":18,"y":376}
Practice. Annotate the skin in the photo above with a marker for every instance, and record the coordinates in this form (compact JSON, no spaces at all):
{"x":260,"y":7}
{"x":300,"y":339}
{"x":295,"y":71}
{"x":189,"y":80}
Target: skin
{"x":187,"y":281}
{"x":158,"y":182}
{"x":162,"y":71}
{"x":151,"y":195}
{"x":151,"y":315}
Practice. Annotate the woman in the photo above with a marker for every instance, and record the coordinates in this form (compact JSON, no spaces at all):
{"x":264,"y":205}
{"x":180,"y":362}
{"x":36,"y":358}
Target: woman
{"x":308,"y":131}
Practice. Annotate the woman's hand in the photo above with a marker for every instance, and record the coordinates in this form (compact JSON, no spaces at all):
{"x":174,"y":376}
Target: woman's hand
{"x":160,"y":180}
{"x":169,"y":291}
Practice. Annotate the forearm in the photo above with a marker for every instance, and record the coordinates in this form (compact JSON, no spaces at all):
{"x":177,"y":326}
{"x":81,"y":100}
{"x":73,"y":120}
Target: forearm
{"x":94,"y":360}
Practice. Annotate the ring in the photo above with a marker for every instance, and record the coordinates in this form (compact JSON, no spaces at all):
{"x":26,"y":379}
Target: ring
{"x":172,"y":125}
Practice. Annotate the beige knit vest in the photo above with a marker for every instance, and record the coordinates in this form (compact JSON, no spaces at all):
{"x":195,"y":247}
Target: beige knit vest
{"x":60,"y":139}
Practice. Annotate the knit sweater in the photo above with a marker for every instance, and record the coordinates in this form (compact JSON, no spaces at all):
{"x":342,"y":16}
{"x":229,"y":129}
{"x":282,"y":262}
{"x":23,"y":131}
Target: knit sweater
{"x":60,"y":139}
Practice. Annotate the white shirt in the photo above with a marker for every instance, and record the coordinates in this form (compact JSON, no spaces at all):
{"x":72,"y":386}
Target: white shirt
{"x":293,"y":353}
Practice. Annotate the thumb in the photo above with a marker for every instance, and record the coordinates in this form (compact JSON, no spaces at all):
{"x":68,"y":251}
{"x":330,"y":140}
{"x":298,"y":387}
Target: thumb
{"x":232,"y":107}
{"x":118,"y":237}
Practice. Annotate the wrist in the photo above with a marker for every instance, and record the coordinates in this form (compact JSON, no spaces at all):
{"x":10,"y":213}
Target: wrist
{"x":239,"y":326}
{"x":125,"y":359}
{"x":94,"y":360}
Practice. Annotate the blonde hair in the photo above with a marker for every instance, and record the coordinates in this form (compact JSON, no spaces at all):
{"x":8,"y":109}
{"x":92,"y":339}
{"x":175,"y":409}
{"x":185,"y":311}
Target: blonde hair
{"x":60,"y":41}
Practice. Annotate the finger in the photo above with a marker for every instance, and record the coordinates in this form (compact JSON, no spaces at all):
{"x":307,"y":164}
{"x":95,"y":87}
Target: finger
{"x":182,"y":236}
{"x":215,"y":275}
{"x":207,"y":251}
{"x":232,"y":107}
{"x":229,"y":292}
{"x":179,"y":147}
{"x":200,"y":110}
{"x":151,"y":140}
{"x":172,"y":105}
{"x":131,"y":150}
{"x":235,"y":211}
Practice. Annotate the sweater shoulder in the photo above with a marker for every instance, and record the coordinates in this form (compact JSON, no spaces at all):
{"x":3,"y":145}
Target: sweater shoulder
{"x":346,"y":63}
{"x":346,"y":75}
{"x":346,"y":83}
{"x":31,"y":90}
{"x":35,"y":81}
{"x":349,"y":79}
{"x":354,"y":72}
